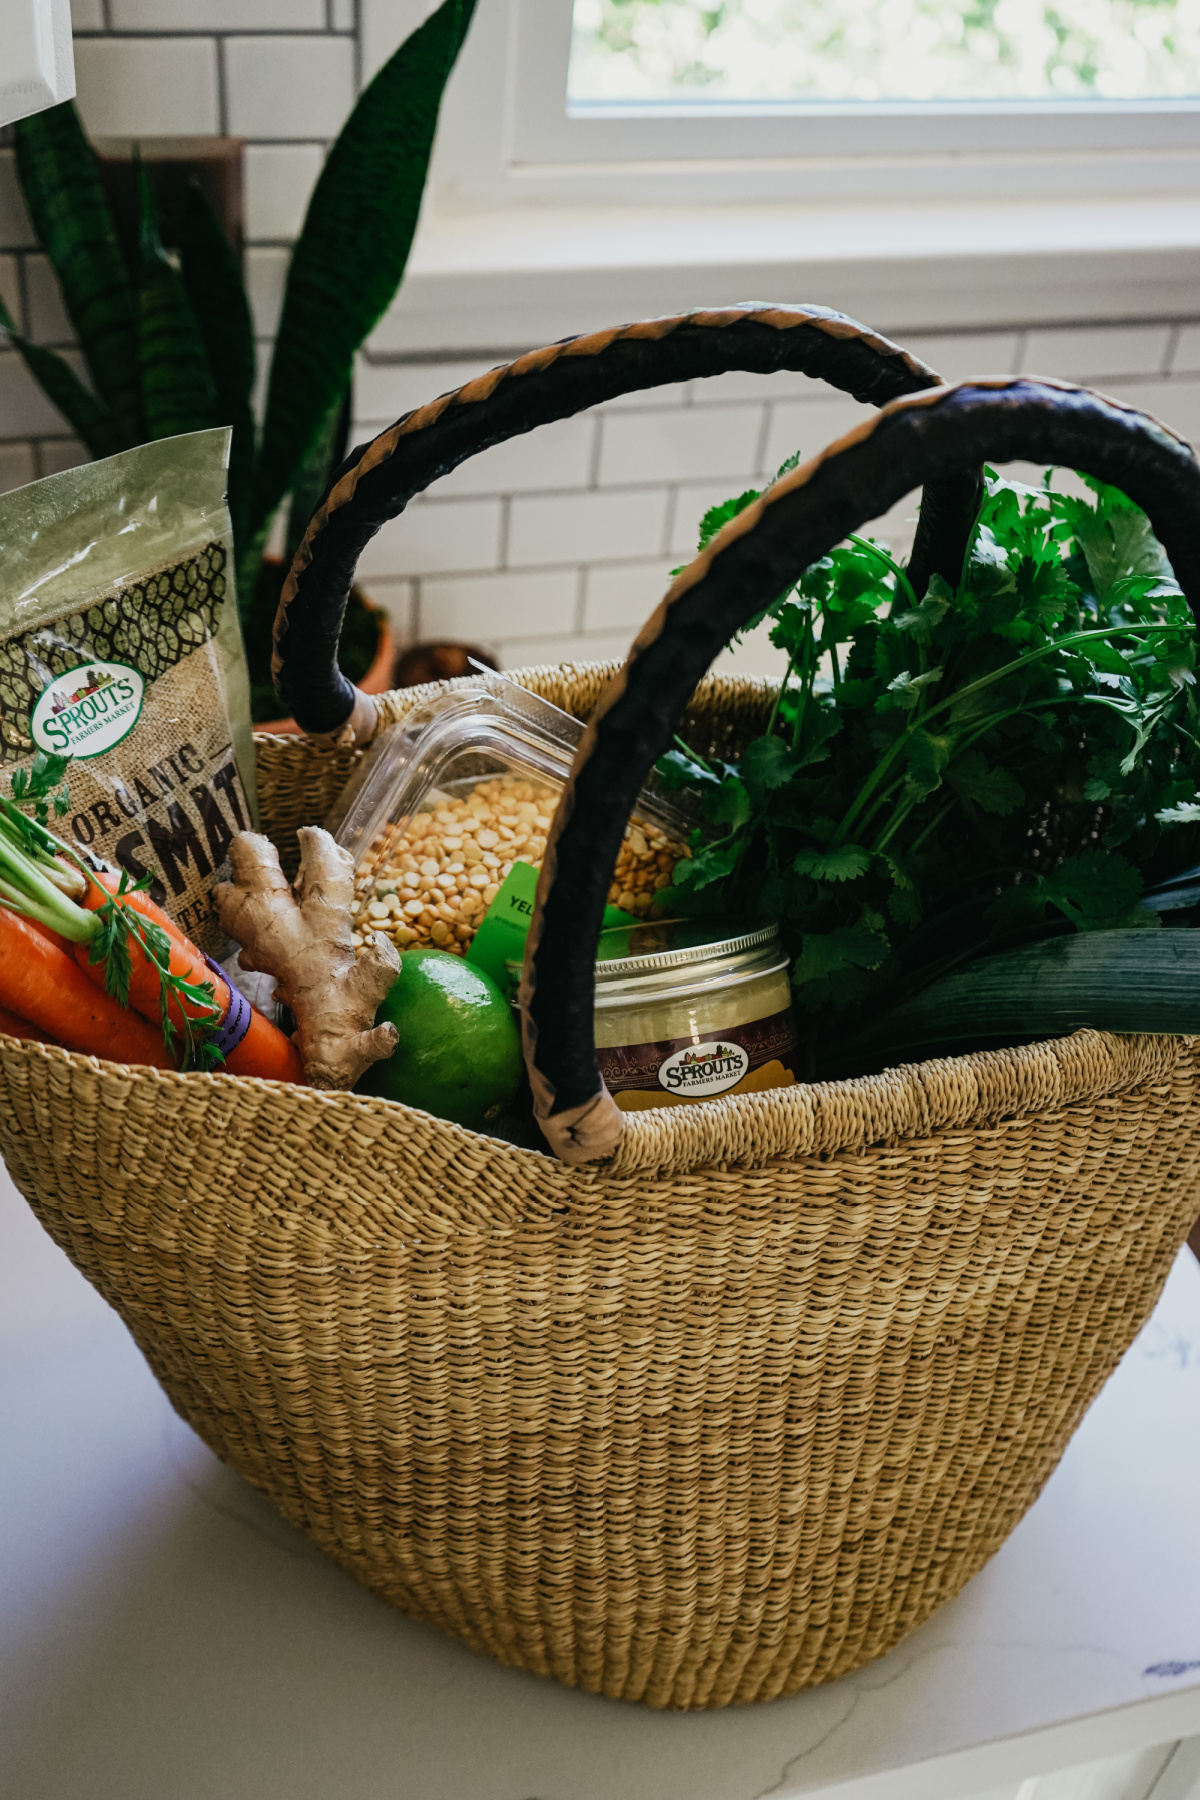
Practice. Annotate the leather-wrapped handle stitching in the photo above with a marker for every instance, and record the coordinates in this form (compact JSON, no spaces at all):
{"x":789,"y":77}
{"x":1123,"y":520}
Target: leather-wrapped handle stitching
{"x":759,"y":555}
{"x":378,"y":479}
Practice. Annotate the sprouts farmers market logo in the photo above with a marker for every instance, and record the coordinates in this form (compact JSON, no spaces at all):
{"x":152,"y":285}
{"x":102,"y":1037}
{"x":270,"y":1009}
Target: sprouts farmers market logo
{"x":87,"y":710}
{"x":703,"y":1069}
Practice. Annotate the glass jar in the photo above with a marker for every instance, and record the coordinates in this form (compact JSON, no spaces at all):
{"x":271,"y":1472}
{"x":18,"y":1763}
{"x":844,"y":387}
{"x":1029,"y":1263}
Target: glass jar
{"x":687,"y":1013}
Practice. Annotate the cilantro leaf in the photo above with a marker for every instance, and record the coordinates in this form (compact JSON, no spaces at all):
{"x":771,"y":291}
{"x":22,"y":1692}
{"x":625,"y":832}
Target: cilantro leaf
{"x":35,"y":786}
{"x":993,"y":789}
{"x":711,"y":863}
{"x":829,"y":965}
{"x":1096,"y":891}
{"x":768,"y":764}
{"x":846,"y":863}
{"x":904,"y":690}
{"x":927,"y":756}
{"x":717,"y":517}
{"x":728,"y":804}
{"x":904,"y":901}
{"x":1116,"y":545}
{"x":923,"y":620}
{"x":680,"y":769}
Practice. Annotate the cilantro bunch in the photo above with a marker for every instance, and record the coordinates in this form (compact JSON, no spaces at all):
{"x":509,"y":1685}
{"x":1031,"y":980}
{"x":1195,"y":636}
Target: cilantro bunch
{"x":1010,"y":757}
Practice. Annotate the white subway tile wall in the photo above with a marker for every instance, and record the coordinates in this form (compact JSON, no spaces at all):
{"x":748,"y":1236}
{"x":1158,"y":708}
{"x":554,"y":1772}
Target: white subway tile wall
{"x":153,"y":86}
{"x":288,"y":87}
{"x":278,"y":180}
{"x":280,"y":73}
{"x":558,"y":543}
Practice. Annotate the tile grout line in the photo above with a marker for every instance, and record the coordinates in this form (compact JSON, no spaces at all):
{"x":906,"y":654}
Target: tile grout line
{"x":222,"y":88}
{"x":23,"y":292}
{"x":670,"y":518}
{"x":162,"y":34}
{"x":764,"y":436}
{"x":505,"y":530}
{"x":594,"y":453}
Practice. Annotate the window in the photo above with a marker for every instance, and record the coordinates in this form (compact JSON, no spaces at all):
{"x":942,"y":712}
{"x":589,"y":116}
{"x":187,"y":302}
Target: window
{"x":724,"y":102}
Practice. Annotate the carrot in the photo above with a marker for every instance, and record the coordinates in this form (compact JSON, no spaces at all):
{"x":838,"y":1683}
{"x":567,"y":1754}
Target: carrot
{"x":144,"y":984}
{"x":266,"y":1051}
{"x":53,"y":937}
{"x":263,"y":1051}
{"x":11,"y":1026}
{"x":40,"y":983}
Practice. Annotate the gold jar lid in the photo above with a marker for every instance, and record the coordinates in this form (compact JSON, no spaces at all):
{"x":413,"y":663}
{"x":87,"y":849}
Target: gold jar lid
{"x":677,"y":958}
{"x":673,"y":958}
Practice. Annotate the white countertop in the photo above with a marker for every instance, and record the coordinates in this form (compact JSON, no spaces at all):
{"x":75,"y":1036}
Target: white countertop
{"x":164,"y":1636}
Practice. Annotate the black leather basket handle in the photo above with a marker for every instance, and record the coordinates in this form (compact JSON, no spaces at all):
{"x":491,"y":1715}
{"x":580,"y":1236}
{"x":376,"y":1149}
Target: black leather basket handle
{"x":759,"y":555}
{"x":377,"y":480}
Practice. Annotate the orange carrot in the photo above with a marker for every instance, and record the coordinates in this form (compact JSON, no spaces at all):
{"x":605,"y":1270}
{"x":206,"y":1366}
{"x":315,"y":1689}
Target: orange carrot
{"x":264,"y":1050}
{"x":40,"y":983}
{"x":144,"y":986}
{"x":52,"y":937}
{"x":11,"y":1026}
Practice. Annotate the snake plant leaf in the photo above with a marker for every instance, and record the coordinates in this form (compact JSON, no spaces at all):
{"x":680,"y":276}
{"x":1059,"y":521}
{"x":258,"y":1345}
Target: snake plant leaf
{"x":351,"y":254}
{"x":89,"y":417}
{"x":59,"y":179}
{"x":213,"y":279}
{"x":313,"y":475}
{"x":1128,"y":981}
{"x":178,"y":393}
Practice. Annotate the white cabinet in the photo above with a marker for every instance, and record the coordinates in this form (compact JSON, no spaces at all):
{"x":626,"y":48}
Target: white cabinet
{"x":37,"y":68}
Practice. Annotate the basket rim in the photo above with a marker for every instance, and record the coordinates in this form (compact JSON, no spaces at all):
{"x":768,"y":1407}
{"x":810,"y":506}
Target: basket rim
{"x":397,"y":703}
{"x":809,"y":1121}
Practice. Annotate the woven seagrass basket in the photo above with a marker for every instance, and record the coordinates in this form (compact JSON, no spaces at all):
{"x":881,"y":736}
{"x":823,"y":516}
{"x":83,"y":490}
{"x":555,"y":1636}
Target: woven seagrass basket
{"x":716,"y":1418}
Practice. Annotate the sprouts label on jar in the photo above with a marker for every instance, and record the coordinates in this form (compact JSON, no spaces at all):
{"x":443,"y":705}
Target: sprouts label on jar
{"x":740,"y":1059}
{"x":704,"y":1070}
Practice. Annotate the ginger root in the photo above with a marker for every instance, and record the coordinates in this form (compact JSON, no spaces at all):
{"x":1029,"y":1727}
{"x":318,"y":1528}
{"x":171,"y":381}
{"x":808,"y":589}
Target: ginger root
{"x":303,"y":939}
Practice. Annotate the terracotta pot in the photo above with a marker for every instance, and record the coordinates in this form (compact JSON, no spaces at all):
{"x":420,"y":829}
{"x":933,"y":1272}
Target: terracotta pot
{"x":437,"y":661}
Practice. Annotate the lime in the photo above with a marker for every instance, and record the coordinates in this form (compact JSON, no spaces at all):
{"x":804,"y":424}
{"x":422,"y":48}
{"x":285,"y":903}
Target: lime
{"x":459,"y":1054}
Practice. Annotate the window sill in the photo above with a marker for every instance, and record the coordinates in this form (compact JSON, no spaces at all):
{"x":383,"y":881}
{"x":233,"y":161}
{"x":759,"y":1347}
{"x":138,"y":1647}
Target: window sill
{"x":514,"y":277}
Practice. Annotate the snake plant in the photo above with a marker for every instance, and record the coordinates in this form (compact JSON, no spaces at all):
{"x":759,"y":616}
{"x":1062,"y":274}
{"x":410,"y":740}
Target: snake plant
{"x":168,"y":344}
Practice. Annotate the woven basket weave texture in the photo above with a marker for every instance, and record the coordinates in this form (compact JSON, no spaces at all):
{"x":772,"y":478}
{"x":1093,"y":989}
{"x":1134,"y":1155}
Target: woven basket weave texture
{"x":718,"y":1420}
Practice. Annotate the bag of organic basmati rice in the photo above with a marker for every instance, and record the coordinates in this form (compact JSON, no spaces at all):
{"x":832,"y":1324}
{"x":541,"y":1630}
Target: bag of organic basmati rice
{"x":120,"y":648}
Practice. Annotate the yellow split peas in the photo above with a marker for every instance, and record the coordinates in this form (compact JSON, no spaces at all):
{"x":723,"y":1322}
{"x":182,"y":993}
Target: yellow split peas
{"x":431,"y":878}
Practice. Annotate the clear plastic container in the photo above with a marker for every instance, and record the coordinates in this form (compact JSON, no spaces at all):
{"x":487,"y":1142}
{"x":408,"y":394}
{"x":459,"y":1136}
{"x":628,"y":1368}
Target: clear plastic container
{"x":449,"y":799}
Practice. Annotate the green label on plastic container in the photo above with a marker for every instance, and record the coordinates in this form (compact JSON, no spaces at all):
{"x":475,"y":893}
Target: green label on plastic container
{"x":500,"y":939}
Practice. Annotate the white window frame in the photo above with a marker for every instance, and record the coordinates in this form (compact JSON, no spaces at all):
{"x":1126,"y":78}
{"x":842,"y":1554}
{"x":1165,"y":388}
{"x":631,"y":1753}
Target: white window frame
{"x":509,"y":137}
